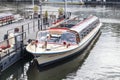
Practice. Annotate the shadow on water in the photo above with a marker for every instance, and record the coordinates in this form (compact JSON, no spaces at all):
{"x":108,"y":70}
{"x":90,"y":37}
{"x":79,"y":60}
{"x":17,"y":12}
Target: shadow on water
{"x":14,"y":72}
{"x":60,"y":70}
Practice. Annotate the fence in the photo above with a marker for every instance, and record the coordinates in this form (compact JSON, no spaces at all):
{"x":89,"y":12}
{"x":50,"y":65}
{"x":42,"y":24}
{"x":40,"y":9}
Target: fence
{"x":26,"y":31}
{"x":11,"y":44}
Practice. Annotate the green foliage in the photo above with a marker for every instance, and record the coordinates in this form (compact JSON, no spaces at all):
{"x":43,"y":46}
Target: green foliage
{"x":60,"y":11}
{"x":46,"y":14}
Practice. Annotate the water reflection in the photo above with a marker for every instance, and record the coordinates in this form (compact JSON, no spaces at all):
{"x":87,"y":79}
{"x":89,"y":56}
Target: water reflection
{"x":55,"y":73}
{"x":15,"y":72}
{"x":103,"y":61}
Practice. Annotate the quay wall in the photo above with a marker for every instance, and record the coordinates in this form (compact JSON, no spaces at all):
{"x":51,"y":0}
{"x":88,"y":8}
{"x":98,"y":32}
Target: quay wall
{"x":109,"y":2}
{"x":102,"y":3}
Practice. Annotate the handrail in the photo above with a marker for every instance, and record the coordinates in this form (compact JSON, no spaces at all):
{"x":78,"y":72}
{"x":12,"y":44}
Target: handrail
{"x":6,"y":47}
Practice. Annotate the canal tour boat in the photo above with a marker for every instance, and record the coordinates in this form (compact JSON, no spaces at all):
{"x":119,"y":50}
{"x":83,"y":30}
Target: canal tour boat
{"x":58,"y":43}
{"x":6,"y":18}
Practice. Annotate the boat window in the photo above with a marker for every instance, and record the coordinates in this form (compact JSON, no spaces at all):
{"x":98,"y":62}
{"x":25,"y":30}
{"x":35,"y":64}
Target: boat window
{"x":68,"y":37}
{"x":42,"y":35}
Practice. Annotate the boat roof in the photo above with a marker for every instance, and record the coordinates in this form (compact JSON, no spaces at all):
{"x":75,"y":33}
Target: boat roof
{"x":58,"y":30}
{"x":84,"y":23}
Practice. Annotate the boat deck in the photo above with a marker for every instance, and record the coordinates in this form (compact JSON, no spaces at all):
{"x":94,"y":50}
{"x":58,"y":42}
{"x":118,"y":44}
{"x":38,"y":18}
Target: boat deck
{"x":51,"y":48}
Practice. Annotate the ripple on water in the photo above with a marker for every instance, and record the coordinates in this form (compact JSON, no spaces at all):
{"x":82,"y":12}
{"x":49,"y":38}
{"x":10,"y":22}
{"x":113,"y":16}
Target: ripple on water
{"x":103,"y":61}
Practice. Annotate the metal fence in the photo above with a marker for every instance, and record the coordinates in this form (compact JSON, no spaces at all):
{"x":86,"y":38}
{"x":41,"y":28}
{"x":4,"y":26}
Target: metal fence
{"x":26,"y":31}
{"x":11,"y":44}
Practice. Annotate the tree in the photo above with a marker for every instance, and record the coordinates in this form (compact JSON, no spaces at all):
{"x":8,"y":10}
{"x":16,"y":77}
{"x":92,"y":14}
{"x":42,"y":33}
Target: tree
{"x":60,"y":11}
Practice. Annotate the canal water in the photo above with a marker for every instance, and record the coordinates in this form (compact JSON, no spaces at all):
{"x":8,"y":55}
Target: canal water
{"x":100,"y":61}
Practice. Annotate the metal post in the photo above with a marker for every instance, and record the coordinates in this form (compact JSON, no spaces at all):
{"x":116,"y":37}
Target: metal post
{"x":22,"y":32}
{"x":38,"y":24}
{"x":33,"y":25}
{"x":41,"y":18}
{"x":65,"y":9}
{"x":22,"y":42}
{"x":33,"y":8}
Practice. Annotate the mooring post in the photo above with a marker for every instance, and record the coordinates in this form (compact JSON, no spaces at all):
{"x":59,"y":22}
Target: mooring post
{"x":22,"y":32}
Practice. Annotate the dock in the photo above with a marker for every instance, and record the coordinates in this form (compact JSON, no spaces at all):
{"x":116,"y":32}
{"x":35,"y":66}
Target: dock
{"x":12,"y":50}
{"x":12,"y":43}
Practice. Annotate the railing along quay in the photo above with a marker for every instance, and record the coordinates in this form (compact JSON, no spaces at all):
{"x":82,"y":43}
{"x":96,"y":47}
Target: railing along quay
{"x":12,"y":49}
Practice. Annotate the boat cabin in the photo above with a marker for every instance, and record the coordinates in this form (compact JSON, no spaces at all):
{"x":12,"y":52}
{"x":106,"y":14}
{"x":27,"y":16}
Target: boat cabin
{"x":58,"y":36}
{"x":83,"y":27}
{"x":71,"y":31}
